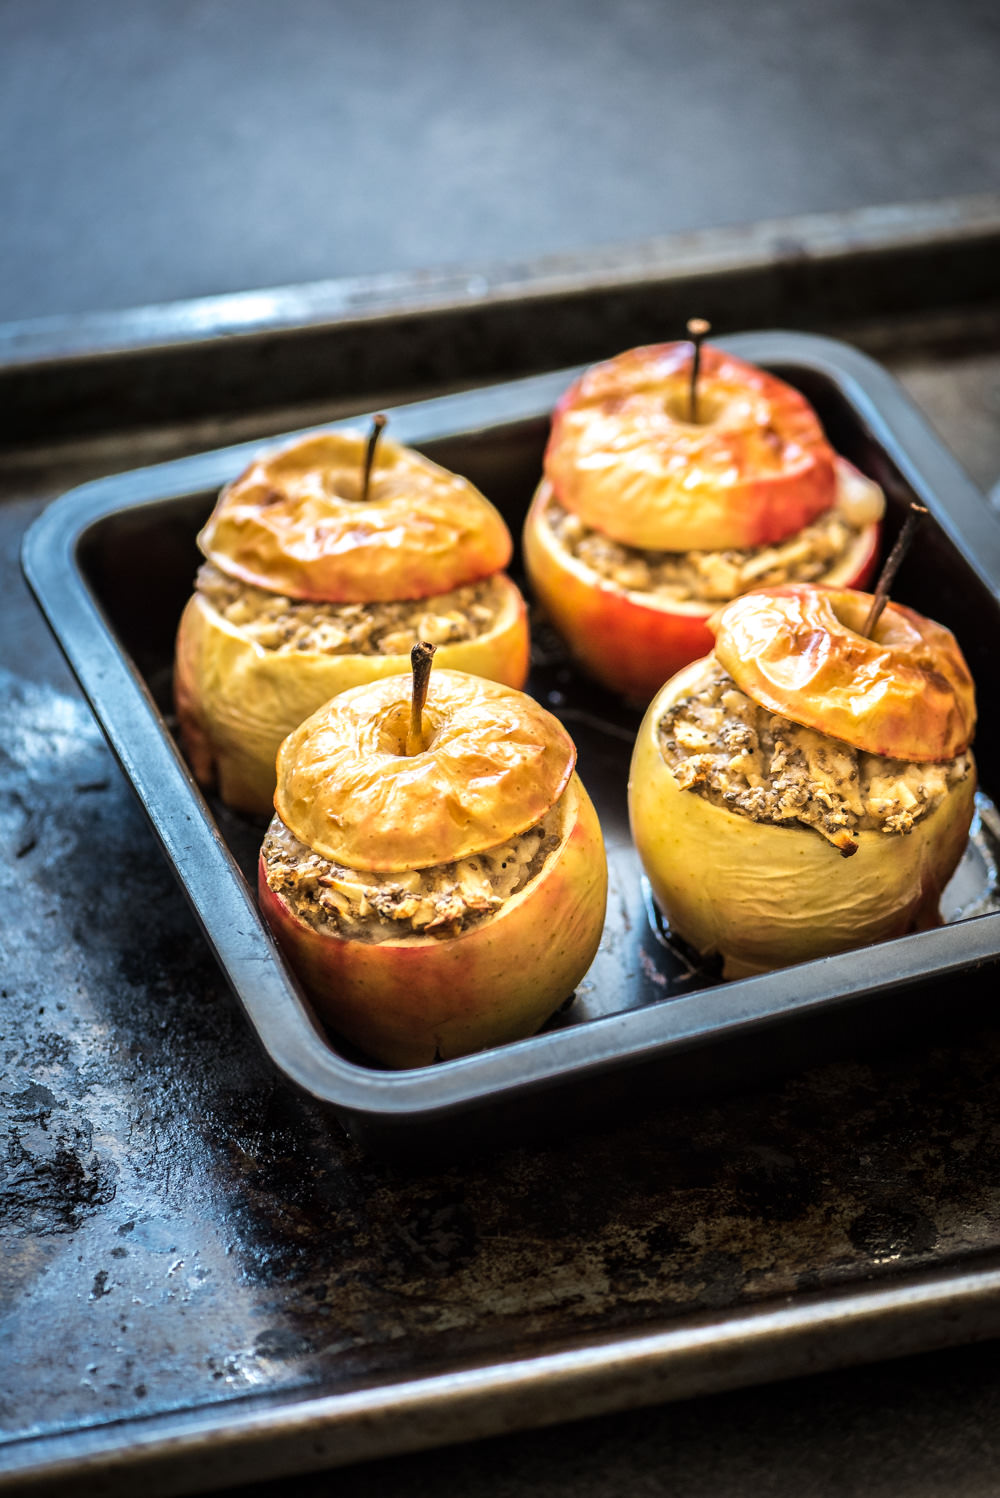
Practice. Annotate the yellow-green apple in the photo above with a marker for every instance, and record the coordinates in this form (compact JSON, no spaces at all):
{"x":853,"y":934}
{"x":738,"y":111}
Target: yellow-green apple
{"x":312,"y":559}
{"x":760,"y":886}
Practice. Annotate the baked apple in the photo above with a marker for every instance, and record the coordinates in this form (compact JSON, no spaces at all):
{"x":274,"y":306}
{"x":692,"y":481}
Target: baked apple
{"x":647,"y":519}
{"x":325,"y":561}
{"x":435,"y":871}
{"x":805,"y":789}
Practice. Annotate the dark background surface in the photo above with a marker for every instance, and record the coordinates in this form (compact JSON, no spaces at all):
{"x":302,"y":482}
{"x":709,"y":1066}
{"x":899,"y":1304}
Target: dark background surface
{"x":169,"y":150}
{"x":179,"y":148}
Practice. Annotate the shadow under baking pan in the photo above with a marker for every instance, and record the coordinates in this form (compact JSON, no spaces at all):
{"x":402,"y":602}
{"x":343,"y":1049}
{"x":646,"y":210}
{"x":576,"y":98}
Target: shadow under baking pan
{"x":112,"y":564}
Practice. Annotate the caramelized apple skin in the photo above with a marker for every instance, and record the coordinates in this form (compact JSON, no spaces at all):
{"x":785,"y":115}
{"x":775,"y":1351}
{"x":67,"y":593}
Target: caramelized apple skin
{"x":905,"y":693}
{"x":491,"y":763}
{"x":412,"y":1001}
{"x":295,"y":523}
{"x":624,"y":455}
{"x":765,"y":896}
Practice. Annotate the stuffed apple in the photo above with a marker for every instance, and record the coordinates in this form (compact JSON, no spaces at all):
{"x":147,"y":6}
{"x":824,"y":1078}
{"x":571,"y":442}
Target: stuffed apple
{"x":806,"y":789}
{"x":325,"y":561}
{"x":664,"y":497}
{"x":435,"y":871}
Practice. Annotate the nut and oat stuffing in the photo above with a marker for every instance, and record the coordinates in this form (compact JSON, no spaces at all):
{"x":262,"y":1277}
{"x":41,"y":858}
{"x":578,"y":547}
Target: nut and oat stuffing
{"x":711,"y":576}
{"x":439,"y":901}
{"x":748,"y":760}
{"x":276,"y":622}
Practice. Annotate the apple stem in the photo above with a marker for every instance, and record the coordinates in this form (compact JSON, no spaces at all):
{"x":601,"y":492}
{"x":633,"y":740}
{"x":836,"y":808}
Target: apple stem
{"x":888,"y":573}
{"x":698,"y":328}
{"x":421,"y":657}
{"x":378,"y":426}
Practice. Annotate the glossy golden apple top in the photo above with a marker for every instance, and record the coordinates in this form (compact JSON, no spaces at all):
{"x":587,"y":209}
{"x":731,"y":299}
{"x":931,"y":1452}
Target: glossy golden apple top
{"x":906,"y":693}
{"x":624,"y":455}
{"x":295,"y":523}
{"x":493,"y":764}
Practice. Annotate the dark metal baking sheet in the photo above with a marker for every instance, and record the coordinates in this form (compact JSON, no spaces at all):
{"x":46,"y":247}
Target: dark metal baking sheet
{"x":128,"y":538}
{"x":199,"y":1450}
{"x":203,"y":1283}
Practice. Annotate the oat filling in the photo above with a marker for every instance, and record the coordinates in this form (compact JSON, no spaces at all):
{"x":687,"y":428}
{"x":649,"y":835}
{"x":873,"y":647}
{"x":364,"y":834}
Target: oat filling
{"x":745,"y":759}
{"x":276,"y":622}
{"x":711,"y":577}
{"x":439,"y":901}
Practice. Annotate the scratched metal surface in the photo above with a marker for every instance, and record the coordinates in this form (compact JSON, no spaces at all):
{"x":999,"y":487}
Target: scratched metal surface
{"x":182,"y":1229}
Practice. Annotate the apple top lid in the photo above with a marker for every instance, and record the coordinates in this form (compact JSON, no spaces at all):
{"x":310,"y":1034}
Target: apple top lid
{"x":493,"y":763}
{"x":297,"y":522}
{"x":905,"y":693}
{"x":626,"y":456}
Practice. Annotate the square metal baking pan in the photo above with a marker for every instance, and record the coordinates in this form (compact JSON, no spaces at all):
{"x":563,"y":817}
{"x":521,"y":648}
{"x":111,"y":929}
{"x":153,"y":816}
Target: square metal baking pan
{"x":112,"y":562}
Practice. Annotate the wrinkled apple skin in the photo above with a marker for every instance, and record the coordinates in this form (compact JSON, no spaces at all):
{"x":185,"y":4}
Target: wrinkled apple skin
{"x":236,"y":702}
{"x":492,"y":762}
{"x":632,"y":642}
{"x":409,"y":1002}
{"x":624,"y":456}
{"x":904,"y":693}
{"x":766,"y":896}
{"x":295,"y":523}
